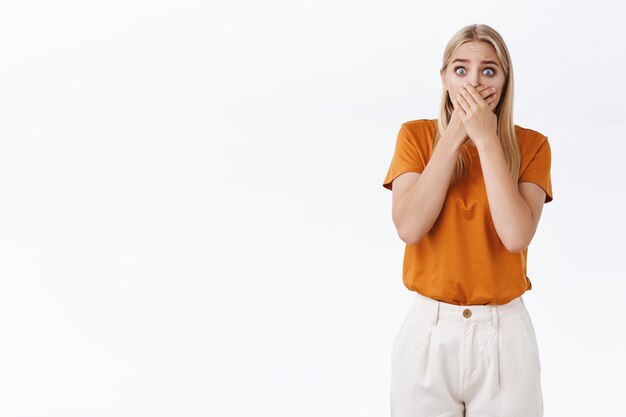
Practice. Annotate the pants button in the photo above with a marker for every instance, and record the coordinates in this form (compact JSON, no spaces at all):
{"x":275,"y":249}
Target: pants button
{"x":467,"y":313}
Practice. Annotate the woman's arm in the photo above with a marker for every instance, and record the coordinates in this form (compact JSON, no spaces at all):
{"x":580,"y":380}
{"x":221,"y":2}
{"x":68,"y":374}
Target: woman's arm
{"x":515,"y":210}
{"x":418,"y":198}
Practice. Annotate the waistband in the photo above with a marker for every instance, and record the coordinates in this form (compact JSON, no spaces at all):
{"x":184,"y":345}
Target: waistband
{"x":440,"y":310}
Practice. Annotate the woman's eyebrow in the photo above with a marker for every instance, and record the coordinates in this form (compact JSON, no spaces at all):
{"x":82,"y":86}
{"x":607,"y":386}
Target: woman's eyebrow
{"x":484,"y":62}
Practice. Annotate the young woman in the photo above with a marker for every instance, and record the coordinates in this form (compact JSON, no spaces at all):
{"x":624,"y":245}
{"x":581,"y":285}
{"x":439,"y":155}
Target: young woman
{"x":467,"y":194}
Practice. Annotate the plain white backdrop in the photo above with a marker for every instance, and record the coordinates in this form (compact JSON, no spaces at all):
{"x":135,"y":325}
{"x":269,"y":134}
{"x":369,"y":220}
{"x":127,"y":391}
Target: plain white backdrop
{"x":192,"y":217}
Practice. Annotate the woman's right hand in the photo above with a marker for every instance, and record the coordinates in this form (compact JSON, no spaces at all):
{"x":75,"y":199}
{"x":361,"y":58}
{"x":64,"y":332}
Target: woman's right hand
{"x":455,"y":126}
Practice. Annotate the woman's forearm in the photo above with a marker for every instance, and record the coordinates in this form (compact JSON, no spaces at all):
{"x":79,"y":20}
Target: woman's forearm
{"x":511,"y":215}
{"x":418,"y":209}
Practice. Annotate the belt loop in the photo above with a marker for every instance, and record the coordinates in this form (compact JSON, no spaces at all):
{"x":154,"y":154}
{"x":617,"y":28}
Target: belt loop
{"x":494,"y":315}
{"x":436,"y":315}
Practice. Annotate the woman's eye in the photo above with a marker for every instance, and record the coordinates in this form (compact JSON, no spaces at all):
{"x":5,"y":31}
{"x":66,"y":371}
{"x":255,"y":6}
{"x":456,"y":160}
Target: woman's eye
{"x":490,"y":69}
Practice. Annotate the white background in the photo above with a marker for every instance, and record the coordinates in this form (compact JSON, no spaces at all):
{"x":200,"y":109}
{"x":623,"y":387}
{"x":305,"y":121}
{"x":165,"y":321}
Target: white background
{"x":192,"y":217}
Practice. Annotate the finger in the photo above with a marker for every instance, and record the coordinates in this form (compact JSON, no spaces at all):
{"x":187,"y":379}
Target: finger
{"x":486,"y":92}
{"x":463,"y":103}
{"x":456,"y":105}
{"x":470,"y":92}
{"x":460,"y":97}
{"x":483,"y":91}
{"x":481,"y":88}
{"x":471,"y":101}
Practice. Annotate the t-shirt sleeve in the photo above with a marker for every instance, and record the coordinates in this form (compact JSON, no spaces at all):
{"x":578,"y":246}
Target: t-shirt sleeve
{"x":538,"y":169}
{"x":407,"y":157}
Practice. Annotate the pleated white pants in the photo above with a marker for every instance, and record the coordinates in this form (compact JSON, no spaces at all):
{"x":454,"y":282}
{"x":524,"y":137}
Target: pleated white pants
{"x":473,"y":361}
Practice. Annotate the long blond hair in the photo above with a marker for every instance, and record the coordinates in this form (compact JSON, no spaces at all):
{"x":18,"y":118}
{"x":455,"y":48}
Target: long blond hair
{"x":504,"y":109}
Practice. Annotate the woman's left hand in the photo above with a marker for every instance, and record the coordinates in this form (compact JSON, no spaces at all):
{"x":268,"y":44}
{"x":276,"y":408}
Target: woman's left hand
{"x":480,"y":122}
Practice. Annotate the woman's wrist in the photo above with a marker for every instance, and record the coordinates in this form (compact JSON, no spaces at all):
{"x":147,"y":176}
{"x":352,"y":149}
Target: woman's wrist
{"x":452,"y":143}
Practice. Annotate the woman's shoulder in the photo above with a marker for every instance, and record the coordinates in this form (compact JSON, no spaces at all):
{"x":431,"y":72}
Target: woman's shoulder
{"x":421,"y":129}
{"x":429,"y":124}
{"x":529,"y":135}
{"x":530,"y":140}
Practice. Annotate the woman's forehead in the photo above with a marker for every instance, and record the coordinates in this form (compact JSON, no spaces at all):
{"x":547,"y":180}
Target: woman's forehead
{"x":475,"y":51}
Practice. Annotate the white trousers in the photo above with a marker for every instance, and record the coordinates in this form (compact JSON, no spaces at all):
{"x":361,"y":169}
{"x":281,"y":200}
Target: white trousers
{"x":474,"y":361}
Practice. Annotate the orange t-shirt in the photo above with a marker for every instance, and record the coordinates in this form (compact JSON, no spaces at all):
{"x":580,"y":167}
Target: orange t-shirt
{"x":461,"y":260}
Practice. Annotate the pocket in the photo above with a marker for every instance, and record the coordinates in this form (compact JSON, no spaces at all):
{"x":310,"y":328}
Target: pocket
{"x":413,"y":334}
{"x":532,"y":337}
{"x":529,"y":322}
{"x":407,"y":317}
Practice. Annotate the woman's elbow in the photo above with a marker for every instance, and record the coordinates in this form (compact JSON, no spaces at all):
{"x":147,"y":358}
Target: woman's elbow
{"x":410,"y":238}
{"x":516,"y":246}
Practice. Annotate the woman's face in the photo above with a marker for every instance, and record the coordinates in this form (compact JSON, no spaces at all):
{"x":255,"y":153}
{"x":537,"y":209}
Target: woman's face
{"x":466,"y":66}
